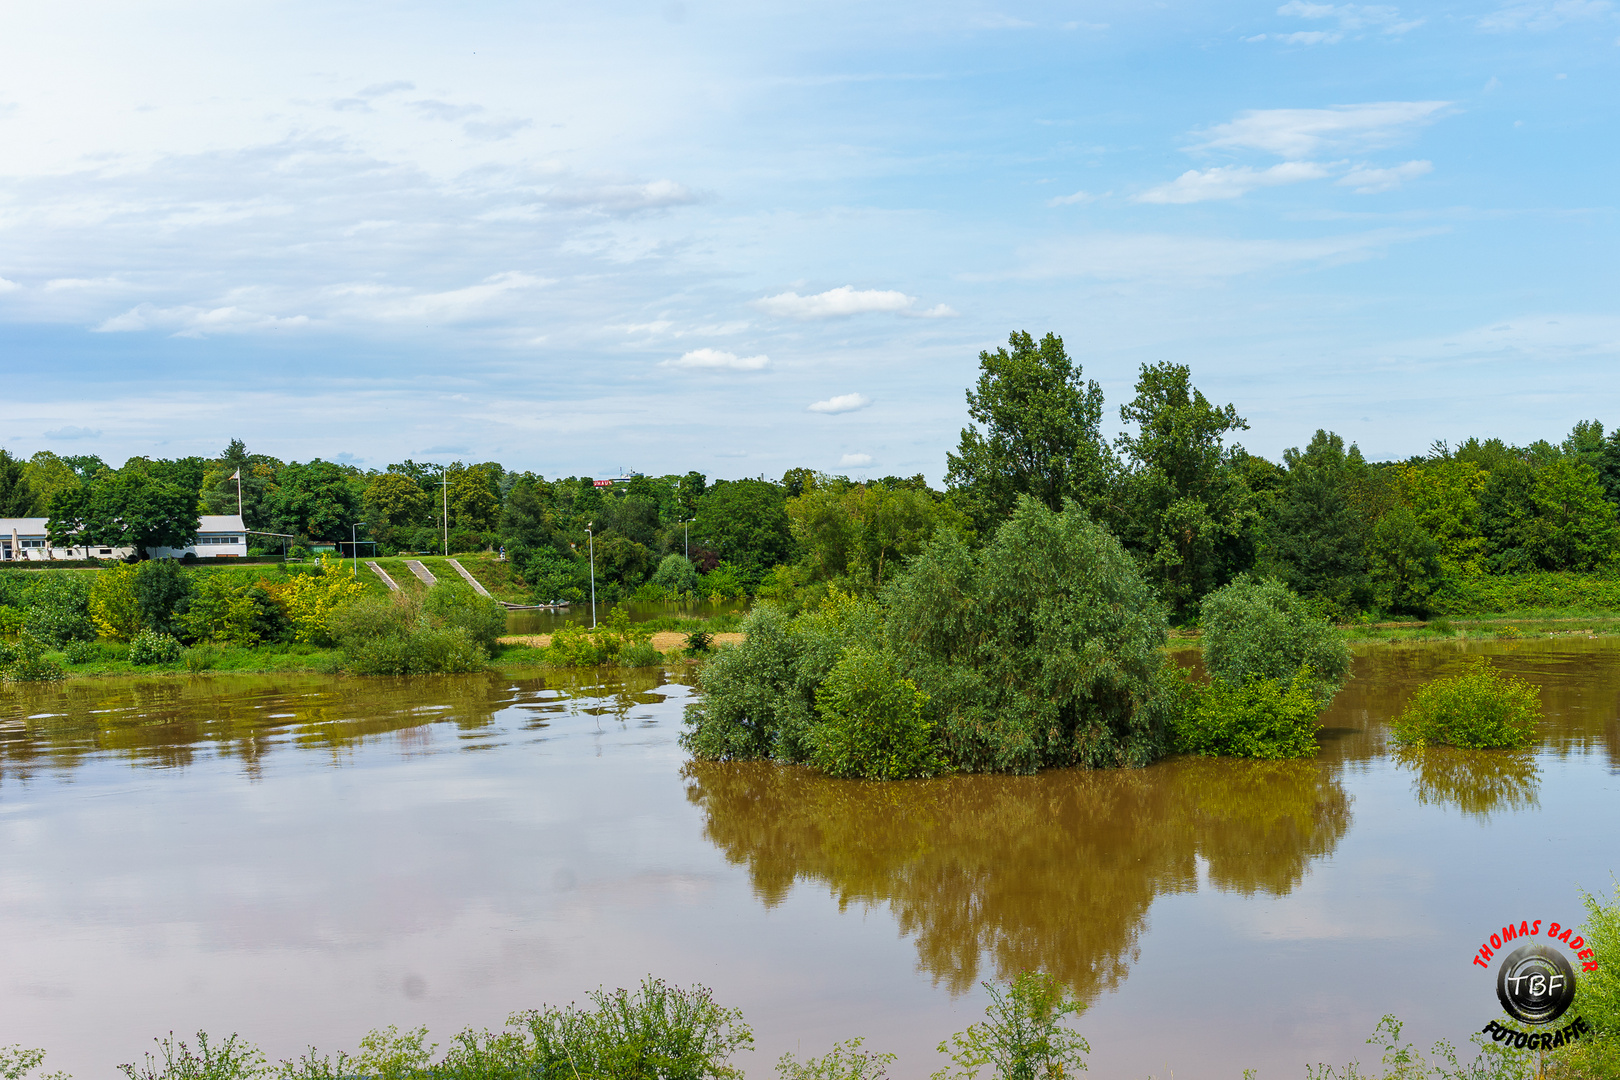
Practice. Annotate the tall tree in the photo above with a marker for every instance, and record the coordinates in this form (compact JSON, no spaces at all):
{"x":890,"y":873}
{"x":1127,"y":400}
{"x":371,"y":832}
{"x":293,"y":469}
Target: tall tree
{"x":746,"y":522}
{"x":16,"y":497}
{"x":318,"y":499}
{"x":1182,"y":508}
{"x":46,"y":475}
{"x":1041,"y":432}
{"x":1315,"y":538}
{"x":129,"y":508}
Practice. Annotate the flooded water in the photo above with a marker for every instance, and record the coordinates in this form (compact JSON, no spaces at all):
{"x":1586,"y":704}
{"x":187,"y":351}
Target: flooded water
{"x":545,"y":620}
{"x":301,"y":859}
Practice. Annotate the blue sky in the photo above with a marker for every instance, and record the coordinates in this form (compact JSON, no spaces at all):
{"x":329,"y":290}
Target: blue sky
{"x":746,"y":237}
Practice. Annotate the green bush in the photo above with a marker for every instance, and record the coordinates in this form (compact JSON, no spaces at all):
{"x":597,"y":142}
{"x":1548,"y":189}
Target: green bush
{"x":676,"y":575}
{"x":162,"y":592}
{"x":1263,"y":630}
{"x":456,"y":604}
{"x":845,"y":1061}
{"x":1483,"y":709}
{"x":82,"y":652}
{"x":25,"y":661}
{"x":699,"y":642}
{"x":202,"y":657}
{"x":872,"y":725}
{"x":1022,"y":1036}
{"x":393,"y":636}
{"x":150,"y":647}
{"x":59,"y":608}
{"x":641,"y":654}
{"x":1255,"y":718}
{"x":12,"y":620}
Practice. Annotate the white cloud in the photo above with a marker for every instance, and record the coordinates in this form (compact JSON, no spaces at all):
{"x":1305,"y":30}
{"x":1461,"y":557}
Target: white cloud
{"x":189,"y":321}
{"x":7,"y":286}
{"x":1545,"y":16}
{"x":1350,"y":17}
{"x":1369,"y":181}
{"x":1160,"y":257}
{"x":621,"y":198}
{"x":938,"y":311}
{"x":834,"y":303}
{"x":1299,"y":133}
{"x":1071,"y":200}
{"x":71,"y":432}
{"x":841,"y":404}
{"x":1229,"y":182}
{"x":717,"y":360}
{"x":855,"y":459}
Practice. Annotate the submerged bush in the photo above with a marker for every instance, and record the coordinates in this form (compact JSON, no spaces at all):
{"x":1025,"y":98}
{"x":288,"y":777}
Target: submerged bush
{"x":1262,"y":629}
{"x":150,"y":647}
{"x":1255,"y":718}
{"x":845,"y":1061}
{"x":392,"y":635}
{"x":1483,"y":709}
{"x":1022,"y":1036}
{"x":641,"y":654}
{"x":24,"y":660}
{"x":454,"y":604}
{"x":872,"y":725}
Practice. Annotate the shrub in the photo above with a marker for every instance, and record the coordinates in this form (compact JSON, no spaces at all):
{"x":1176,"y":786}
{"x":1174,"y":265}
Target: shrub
{"x":1262,"y":629}
{"x":161,"y":592}
{"x":872,"y":724}
{"x":1597,"y":993}
{"x":1255,"y":718}
{"x":150,"y":647}
{"x":58,"y":608}
{"x":1022,"y":1036}
{"x":845,"y":1061}
{"x":573,"y":645}
{"x":112,"y":604}
{"x":1040,"y":650}
{"x":308,"y":600}
{"x":724,"y":582}
{"x":455,"y":604}
{"x":1483,"y":709}
{"x":201,"y":657}
{"x":26,"y":662}
{"x":699,"y":641}
{"x":234,"y":608}
{"x":393,"y":636}
{"x":12,"y":620}
{"x":676,"y":575}
{"x":82,"y":652}
{"x":641,"y":654}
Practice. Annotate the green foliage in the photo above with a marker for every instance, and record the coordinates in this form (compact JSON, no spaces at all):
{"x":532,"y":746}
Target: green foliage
{"x":699,"y":642}
{"x":845,"y":1061}
{"x":1405,"y":564}
{"x":1403,"y":1061}
{"x":230,"y":607}
{"x":12,"y":620}
{"x":58,"y":608}
{"x":746,"y":522}
{"x":82,"y":652}
{"x":676,"y":575}
{"x":202,"y":657}
{"x":1315,"y":536}
{"x":228,"y":1060}
{"x":1444,"y":495}
{"x":1483,"y":709}
{"x":1263,"y":630}
{"x":858,"y":536}
{"x":455,"y":604}
{"x":641,"y":654}
{"x":150,"y":647}
{"x":16,"y":1062}
{"x":724,"y":582}
{"x":1023,"y":1036}
{"x":46,"y":475}
{"x":1252,"y":718}
{"x":162,"y":593}
{"x":24,"y":660}
{"x":1182,"y":507}
{"x":1040,"y":650}
{"x":393,"y":635}
{"x":759,"y":697}
{"x":872,"y":725}
{"x":16,"y":497}
{"x":137,"y":506}
{"x":317,"y":499}
{"x":1041,"y":433}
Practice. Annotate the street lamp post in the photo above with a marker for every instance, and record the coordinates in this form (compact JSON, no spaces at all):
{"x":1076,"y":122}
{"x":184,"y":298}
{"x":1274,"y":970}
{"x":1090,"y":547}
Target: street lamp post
{"x":444,"y":482}
{"x":354,"y":548}
{"x":590,"y":540}
{"x":687,"y":526}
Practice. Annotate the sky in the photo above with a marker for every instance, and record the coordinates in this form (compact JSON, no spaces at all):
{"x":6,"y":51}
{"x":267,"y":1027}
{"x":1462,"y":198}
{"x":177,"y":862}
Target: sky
{"x":746,"y":237}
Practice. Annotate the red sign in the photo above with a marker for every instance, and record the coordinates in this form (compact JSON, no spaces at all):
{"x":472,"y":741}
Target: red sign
{"x":602,"y":483}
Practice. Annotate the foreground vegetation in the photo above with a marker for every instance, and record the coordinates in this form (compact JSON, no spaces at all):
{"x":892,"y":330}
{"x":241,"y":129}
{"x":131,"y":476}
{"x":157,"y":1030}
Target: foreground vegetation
{"x":659,"y":1032}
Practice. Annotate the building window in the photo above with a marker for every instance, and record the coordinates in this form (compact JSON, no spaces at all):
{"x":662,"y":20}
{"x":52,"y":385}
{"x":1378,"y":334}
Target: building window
{"x":206,"y":540}
{"x":106,"y":551}
{"x":36,"y":544}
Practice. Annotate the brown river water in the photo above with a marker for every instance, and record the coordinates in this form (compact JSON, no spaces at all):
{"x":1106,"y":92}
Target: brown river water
{"x":301,"y":859}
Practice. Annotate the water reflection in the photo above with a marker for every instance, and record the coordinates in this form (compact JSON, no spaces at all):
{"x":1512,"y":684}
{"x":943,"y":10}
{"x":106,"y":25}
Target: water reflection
{"x":1055,"y":871}
{"x":1477,"y":782}
{"x":165,"y":722}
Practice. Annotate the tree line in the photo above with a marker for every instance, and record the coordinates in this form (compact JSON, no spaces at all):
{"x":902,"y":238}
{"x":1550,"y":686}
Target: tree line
{"x":1191,"y":506}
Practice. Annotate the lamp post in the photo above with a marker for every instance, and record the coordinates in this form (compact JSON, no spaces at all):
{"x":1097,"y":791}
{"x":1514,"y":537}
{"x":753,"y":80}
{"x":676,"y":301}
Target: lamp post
{"x":590,"y":540}
{"x":687,"y":526}
{"x":444,"y":482}
{"x":354,"y":548}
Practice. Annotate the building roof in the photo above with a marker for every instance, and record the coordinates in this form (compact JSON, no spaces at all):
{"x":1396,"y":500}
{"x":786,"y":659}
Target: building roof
{"x":218,"y":523}
{"x":23,"y":526}
{"x":35,"y":526}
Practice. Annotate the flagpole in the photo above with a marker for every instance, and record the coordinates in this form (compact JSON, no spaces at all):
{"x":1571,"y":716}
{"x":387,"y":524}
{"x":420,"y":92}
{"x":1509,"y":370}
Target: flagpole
{"x":239,"y":493}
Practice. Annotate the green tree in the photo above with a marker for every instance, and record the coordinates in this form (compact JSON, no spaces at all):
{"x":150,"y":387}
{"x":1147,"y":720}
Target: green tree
{"x":746,"y":522}
{"x":318,"y":499}
{"x":1405,"y":564}
{"x":1315,"y":537}
{"x":475,"y":497}
{"x":46,"y":475}
{"x":393,"y":501}
{"x":16,"y":497}
{"x":1588,"y":445}
{"x":1575,"y":526}
{"x":1261,"y":629}
{"x":860,"y":535}
{"x":1182,"y":508}
{"x":219,"y":485}
{"x":128,"y":508}
{"x":1041,"y":432}
{"x":1444,"y":496}
{"x":162,"y":595}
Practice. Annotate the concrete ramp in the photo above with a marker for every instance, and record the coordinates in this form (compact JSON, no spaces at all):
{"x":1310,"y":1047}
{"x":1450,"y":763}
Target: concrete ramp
{"x":423,"y":574}
{"x":393,"y":586}
{"x":478,"y":586}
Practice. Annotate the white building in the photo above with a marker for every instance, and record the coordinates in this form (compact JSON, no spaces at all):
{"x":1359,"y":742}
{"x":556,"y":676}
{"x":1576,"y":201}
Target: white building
{"x":24,"y":540}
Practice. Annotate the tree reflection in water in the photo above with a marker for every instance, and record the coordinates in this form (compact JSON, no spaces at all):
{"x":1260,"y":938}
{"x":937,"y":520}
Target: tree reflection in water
{"x":1053,"y":872}
{"x":1477,"y":782}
